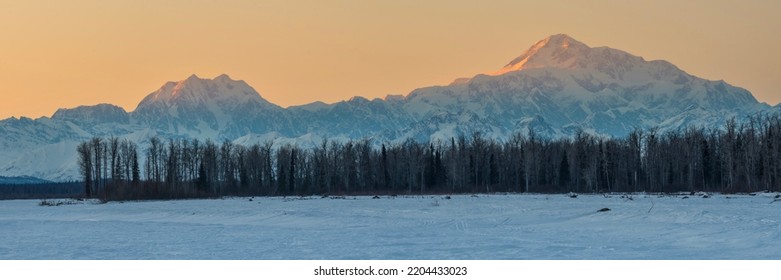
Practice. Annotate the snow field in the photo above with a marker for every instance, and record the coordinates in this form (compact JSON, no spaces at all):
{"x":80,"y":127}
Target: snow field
{"x":405,"y":227}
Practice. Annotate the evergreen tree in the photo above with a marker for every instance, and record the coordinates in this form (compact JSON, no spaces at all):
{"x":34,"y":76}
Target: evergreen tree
{"x":564,"y":171}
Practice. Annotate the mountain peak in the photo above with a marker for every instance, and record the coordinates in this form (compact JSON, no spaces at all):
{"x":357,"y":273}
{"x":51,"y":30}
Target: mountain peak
{"x":91,"y":114}
{"x":193,"y":80}
{"x":206,"y":107}
{"x":203,"y":90}
{"x":559,"y":51}
{"x":562,"y":41}
{"x":223,"y":77}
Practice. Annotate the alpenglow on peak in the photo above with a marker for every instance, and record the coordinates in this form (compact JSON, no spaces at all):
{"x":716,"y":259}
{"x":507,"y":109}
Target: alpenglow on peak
{"x":559,"y":51}
{"x":201,"y":90}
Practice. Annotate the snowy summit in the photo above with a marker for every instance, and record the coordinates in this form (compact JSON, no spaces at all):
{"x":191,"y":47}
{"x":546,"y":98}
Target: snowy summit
{"x":557,"y":51}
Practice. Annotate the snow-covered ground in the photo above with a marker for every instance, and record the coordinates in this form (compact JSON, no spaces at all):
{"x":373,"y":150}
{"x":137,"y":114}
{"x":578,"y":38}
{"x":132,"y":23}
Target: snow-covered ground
{"x":428,"y":227}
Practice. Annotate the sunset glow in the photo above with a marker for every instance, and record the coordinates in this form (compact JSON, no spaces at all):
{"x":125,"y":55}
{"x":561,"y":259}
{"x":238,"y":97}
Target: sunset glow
{"x":61,"y":54}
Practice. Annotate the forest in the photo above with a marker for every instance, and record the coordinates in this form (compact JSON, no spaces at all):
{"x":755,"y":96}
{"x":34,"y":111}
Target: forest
{"x":42,"y":190}
{"x":740,"y":157}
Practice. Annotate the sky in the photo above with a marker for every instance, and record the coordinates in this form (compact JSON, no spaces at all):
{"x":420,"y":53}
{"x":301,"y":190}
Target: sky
{"x":62,"y":54}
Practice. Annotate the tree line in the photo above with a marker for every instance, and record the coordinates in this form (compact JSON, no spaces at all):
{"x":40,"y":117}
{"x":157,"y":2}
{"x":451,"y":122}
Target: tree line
{"x":743,"y":157}
{"x":42,"y":190}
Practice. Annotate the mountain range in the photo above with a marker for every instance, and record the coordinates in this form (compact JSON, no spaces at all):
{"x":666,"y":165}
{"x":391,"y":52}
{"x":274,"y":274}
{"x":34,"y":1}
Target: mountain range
{"x":555,"y":88}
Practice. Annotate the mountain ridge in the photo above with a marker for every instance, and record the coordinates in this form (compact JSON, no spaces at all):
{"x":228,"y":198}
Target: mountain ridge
{"x":557,"y":87}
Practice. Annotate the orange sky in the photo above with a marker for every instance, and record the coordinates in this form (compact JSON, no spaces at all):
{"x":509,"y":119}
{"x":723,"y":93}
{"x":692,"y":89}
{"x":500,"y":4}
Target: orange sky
{"x":57,"y":54}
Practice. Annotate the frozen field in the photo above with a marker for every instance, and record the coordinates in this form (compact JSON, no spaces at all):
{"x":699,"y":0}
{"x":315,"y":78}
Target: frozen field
{"x":430,"y":227}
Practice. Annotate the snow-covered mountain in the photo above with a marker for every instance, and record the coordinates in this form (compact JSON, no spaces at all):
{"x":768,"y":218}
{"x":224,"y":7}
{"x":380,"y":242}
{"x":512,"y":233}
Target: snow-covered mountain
{"x":555,"y":88}
{"x":216,"y":108}
{"x":569,"y":85}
